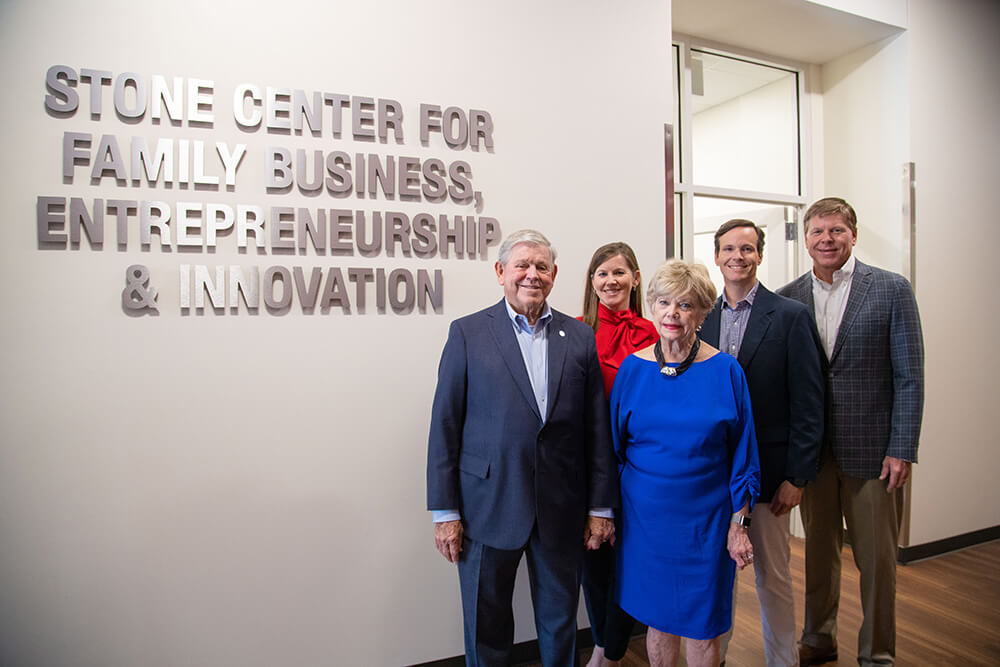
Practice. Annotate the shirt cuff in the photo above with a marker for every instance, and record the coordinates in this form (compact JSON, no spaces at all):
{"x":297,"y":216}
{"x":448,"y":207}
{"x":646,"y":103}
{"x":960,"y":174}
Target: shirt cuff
{"x":602,"y":512}
{"x":445,"y":515}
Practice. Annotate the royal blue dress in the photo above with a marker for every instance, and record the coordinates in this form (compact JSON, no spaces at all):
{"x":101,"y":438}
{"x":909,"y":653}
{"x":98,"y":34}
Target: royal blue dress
{"x":688,"y":459}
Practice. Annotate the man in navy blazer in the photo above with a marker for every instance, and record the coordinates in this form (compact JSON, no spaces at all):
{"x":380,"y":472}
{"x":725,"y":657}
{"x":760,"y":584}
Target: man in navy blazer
{"x":519,"y":458}
{"x":874,"y":358}
{"x":774,"y":340}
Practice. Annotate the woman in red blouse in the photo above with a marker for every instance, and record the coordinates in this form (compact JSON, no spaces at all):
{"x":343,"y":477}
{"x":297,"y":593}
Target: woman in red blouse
{"x":612,"y":305}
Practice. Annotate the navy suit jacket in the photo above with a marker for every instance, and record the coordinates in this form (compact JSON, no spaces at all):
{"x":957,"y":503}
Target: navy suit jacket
{"x":780,"y":356}
{"x":489,"y":453}
{"x":875,"y":376}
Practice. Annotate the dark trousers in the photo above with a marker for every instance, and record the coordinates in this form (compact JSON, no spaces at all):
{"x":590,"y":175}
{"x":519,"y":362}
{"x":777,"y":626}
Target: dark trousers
{"x":486,"y":576}
{"x":610,"y":625}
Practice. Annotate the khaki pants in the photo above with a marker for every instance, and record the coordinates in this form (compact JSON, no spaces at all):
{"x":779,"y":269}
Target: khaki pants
{"x":872,"y":517}
{"x":772,"y":574}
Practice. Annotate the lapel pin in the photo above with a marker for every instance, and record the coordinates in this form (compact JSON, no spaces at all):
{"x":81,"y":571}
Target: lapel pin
{"x":562,"y":333}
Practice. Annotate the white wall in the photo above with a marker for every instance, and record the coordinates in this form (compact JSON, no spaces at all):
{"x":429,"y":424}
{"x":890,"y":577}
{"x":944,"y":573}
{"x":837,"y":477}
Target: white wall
{"x":865,"y":133}
{"x":954,"y":96}
{"x":210,"y":489}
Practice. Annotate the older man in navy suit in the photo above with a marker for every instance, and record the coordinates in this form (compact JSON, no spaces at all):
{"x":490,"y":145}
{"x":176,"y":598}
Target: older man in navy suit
{"x":775,"y":341}
{"x":874,"y":355}
{"x":519,"y":458}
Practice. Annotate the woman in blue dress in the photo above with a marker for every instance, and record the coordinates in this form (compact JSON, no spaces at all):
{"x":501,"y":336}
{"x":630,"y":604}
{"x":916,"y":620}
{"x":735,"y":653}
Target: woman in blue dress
{"x":683,"y":431}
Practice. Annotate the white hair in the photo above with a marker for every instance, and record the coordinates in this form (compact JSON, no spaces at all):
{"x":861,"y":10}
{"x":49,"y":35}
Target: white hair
{"x":529,"y":236}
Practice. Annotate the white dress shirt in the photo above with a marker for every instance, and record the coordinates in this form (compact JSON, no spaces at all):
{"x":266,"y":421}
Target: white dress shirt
{"x":830,"y":302}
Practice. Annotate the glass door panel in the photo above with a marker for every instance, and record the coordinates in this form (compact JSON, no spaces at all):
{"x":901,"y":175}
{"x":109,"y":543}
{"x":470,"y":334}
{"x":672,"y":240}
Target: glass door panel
{"x":745,"y":129}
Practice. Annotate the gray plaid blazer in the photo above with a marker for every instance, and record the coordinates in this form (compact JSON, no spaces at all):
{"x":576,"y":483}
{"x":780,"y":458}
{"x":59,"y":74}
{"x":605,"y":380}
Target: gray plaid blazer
{"x":875,"y":377}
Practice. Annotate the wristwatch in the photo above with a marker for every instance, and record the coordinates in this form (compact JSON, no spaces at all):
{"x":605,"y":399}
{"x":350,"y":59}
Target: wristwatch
{"x":741,"y":520}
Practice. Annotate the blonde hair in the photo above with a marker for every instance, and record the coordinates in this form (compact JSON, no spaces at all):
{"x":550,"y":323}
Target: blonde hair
{"x":675,"y":278}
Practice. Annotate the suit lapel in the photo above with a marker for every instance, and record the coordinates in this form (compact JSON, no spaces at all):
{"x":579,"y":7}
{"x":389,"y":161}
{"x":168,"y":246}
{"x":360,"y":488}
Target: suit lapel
{"x":510,"y":351}
{"x":710,"y":327}
{"x":558,"y":344}
{"x":855,"y":299}
{"x":805,"y":292}
{"x":760,"y":320}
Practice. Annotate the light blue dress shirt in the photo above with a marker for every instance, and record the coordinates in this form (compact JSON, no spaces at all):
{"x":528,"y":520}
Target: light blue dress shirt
{"x":534,"y":344}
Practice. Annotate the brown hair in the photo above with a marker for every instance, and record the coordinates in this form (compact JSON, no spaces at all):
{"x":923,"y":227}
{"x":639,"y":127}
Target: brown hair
{"x":730,"y":225}
{"x":601,"y":255}
{"x":831,"y":206}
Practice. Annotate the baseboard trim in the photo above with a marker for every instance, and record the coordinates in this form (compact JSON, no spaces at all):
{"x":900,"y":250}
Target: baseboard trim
{"x":528,"y":651}
{"x":908,"y":555}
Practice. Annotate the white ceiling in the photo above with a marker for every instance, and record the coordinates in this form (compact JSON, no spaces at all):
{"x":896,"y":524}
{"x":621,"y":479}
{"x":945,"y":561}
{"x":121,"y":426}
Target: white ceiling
{"x":792,"y":29}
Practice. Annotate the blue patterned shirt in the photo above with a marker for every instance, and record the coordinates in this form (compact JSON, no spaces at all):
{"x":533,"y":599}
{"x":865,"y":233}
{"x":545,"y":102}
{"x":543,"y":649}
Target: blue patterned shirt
{"x":733,"y":323}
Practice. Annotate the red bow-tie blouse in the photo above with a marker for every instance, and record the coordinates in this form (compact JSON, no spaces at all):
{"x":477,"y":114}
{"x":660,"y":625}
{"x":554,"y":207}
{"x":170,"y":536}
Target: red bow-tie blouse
{"x":619,"y":334}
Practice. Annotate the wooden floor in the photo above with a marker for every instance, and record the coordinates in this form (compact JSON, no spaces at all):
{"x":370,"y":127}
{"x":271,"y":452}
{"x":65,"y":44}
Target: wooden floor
{"x":947,"y":612}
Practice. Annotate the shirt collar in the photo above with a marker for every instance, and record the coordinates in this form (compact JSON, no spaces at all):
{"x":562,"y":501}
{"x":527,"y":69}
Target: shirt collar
{"x":841,"y":274}
{"x":748,"y":299}
{"x":521,"y":322}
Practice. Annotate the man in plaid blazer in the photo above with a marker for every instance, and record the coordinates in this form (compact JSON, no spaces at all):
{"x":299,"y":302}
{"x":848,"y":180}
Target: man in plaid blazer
{"x":874,"y":361}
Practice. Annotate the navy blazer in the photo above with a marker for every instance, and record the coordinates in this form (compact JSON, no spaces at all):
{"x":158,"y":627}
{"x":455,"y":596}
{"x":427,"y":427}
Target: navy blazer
{"x":489,"y":453}
{"x":875,"y":376}
{"x":780,"y":356}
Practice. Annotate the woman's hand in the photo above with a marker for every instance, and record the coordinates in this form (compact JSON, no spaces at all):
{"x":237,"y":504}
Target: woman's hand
{"x":738,"y":543}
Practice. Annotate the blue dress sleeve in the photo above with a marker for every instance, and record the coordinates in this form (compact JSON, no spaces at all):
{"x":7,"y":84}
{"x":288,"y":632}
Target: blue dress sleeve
{"x":619,"y":411}
{"x":744,"y":478}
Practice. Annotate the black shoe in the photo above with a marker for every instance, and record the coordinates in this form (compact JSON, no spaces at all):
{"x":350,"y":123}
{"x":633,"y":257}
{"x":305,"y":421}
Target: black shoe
{"x":810,"y":655}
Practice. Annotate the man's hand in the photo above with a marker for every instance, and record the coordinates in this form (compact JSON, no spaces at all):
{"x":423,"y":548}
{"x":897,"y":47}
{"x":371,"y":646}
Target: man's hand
{"x":785,"y":498}
{"x":598,"y":531}
{"x":448,"y":539}
{"x":897,"y":471}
